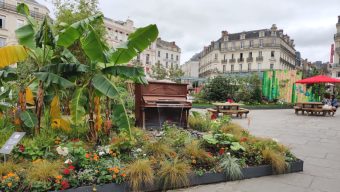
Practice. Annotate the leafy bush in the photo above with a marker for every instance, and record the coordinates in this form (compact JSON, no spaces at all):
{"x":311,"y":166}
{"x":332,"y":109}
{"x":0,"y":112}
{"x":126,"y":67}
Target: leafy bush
{"x":199,"y":122}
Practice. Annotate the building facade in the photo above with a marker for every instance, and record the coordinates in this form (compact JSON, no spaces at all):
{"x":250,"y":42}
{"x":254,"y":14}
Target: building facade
{"x":10,"y":20}
{"x":168,"y":53}
{"x":164,"y":52}
{"x":249,"y":51}
{"x":190,"y":68}
{"x":335,"y":67}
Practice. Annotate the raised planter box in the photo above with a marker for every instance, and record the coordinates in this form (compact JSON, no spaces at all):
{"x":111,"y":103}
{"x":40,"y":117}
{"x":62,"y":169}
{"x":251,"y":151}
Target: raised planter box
{"x":207,"y":178}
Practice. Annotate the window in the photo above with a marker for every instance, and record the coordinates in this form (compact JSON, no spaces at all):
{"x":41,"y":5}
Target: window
{"x":177,"y":58}
{"x":272,"y":53}
{"x":224,"y":57}
{"x":249,"y":66}
{"x":261,"y":34}
{"x":36,"y":9}
{"x":138,"y":57}
{"x":240,"y":67}
{"x":166,"y":64}
{"x":242,"y":44}
{"x":223,"y":68}
{"x":261,"y":42}
{"x":259,"y":67}
{"x":260,"y":53}
{"x":274,"y":41}
{"x":271,"y":66}
{"x":172,"y":65}
{"x":172,"y":56}
{"x":159,"y":53}
{"x":241,"y":56}
{"x":216,"y":56}
{"x":232,"y":56}
{"x":232,"y":68}
{"x":338,"y":75}
{"x":251,"y":42}
{"x":233,"y":45}
{"x":250,"y":54}
{"x":147,"y":59}
{"x":20,"y":23}
{"x":2,"y":22}
{"x":2,"y":41}
{"x":166,"y":55}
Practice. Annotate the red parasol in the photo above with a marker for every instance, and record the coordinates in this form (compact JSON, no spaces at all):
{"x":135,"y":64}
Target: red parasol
{"x":318,"y":79}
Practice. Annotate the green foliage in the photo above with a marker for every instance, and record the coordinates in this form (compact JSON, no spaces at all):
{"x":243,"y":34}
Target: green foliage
{"x":29,"y":119}
{"x":158,"y":71}
{"x":51,"y":78}
{"x":199,"y":122}
{"x":77,"y":107}
{"x":231,"y":167}
{"x":175,"y":73}
{"x":134,"y":73}
{"x":43,"y":170}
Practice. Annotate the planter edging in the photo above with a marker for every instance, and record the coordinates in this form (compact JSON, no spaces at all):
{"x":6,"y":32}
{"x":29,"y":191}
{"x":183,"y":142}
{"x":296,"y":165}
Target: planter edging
{"x":207,"y":178}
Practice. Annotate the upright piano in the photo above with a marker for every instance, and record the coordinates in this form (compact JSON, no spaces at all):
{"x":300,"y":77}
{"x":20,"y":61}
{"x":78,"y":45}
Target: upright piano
{"x":160,"y":102}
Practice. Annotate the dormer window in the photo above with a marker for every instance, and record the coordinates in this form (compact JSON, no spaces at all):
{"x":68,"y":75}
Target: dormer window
{"x":226,"y":38}
{"x":243,"y":36}
{"x":261,"y":34}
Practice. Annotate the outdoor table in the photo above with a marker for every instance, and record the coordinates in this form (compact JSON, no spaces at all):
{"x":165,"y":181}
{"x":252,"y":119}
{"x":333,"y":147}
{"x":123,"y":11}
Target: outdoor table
{"x":310,"y":104}
{"x":227,"y":106}
{"x":312,"y":107}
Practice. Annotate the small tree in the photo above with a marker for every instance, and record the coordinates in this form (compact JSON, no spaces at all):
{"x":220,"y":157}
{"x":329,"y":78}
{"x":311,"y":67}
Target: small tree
{"x":219,"y":88}
{"x":158,"y":71}
{"x":175,"y":73}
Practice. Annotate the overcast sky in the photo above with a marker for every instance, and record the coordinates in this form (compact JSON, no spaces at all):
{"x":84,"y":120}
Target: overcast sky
{"x":195,"y":23}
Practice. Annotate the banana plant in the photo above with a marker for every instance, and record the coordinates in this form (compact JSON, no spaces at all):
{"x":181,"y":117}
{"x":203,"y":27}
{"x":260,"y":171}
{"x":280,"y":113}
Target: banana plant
{"x":104,"y":63}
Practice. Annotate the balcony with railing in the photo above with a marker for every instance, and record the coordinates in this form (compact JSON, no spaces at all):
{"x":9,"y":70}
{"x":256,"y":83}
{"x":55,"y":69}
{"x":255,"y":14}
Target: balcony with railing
{"x":232,"y":60}
{"x":224,"y":61}
{"x":240,"y":60}
{"x":250,"y":59}
{"x":336,"y":65}
{"x":11,"y":7}
{"x":260,"y":58}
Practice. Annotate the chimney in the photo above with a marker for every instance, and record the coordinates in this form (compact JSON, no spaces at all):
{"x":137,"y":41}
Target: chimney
{"x":339,"y":19}
{"x":224,"y":33}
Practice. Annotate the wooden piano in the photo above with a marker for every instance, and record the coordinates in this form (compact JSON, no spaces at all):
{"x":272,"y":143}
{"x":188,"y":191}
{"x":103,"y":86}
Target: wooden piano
{"x":159,"y":102}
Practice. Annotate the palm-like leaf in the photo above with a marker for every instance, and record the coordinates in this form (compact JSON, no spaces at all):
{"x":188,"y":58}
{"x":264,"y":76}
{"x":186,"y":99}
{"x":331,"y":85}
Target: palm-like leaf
{"x":29,"y":119}
{"x":106,"y":87}
{"x":93,"y":47}
{"x":134,"y":73}
{"x":25,"y":35}
{"x":12,"y":54}
{"x":137,"y":42}
{"x":44,"y":35}
{"x":72,"y":33}
{"x":50,"y":78}
{"x":64,"y":68}
{"x":77,"y":107}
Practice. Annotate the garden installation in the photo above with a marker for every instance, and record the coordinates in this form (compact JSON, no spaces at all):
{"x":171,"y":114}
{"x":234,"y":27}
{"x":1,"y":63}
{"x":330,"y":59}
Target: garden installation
{"x":70,"y":93}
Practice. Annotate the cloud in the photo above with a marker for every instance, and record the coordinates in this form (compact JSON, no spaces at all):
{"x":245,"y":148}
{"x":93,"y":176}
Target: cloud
{"x":195,"y":23}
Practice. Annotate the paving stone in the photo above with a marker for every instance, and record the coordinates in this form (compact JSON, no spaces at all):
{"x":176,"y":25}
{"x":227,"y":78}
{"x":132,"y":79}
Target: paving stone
{"x":324,"y":184}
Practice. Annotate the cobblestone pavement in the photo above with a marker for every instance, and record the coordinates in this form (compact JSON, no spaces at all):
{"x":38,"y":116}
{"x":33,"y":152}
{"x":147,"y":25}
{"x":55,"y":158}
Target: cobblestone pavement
{"x":316,"y":140}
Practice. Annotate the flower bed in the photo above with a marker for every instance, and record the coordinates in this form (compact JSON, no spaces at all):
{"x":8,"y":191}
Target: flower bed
{"x":149,"y":161}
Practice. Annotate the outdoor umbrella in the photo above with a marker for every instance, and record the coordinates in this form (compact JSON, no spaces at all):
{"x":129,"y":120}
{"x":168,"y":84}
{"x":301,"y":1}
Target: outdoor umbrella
{"x":318,"y":79}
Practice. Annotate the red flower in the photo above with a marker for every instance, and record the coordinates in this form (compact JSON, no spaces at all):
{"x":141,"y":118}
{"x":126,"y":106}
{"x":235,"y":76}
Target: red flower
{"x":243,"y":139}
{"x":213,"y":116}
{"x":65,"y":185}
{"x":71,"y":167}
{"x":66,"y":171}
{"x":221,"y":151}
{"x":21,"y":148}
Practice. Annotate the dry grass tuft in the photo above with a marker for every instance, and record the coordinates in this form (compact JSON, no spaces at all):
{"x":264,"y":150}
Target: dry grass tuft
{"x":174,"y":173}
{"x":8,"y":167}
{"x":159,"y":149}
{"x":235,"y":129}
{"x":193,"y":150}
{"x":43,"y":170}
{"x":140,"y":172}
{"x":276,"y":159}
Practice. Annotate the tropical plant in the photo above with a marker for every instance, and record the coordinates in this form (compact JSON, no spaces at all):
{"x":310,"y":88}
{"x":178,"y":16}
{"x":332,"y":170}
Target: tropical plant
{"x":230,"y":165}
{"x":174,"y":173}
{"x":140,"y":172}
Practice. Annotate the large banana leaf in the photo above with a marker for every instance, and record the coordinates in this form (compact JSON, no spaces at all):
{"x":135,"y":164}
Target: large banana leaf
{"x":12,"y":54}
{"x":25,"y":35}
{"x":29,"y":119}
{"x":134,"y":73}
{"x":106,"y":87}
{"x":44,"y":35}
{"x":137,"y":42}
{"x":93,"y":46}
{"x":8,"y":74}
{"x":72,"y":33}
{"x":49,"y":78}
{"x":63,"y":68}
{"x":22,"y":8}
{"x":77,"y":107}
{"x":69,"y":57}
{"x":55,"y":111}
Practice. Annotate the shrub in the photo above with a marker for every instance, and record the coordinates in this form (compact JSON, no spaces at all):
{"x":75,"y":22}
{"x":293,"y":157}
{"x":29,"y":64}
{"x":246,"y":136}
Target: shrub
{"x":43,"y":170}
{"x":231,"y":167}
{"x":197,"y":155}
{"x":158,"y":149}
{"x":174,"y":173}
{"x":8,"y":167}
{"x":276,"y":159}
{"x":199,"y":122}
{"x":140,"y":172}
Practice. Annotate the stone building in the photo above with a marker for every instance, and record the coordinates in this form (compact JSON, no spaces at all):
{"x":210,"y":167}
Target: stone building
{"x":10,"y":20}
{"x":335,"y":67}
{"x":190,"y":68}
{"x":164,"y":52}
{"x":168,"y":54}
{"x":248,"y":51}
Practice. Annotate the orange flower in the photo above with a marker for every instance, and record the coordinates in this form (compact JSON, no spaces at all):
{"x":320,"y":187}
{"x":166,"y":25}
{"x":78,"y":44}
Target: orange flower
{"x":87,"y":155}
{"x":11,"y":174}
{"x":116,"y":170}
{"x":114,"y":176}
{"x":59,"y":177}
{"x":193,"y":161}
{"x":95,"y":157}
{"x":114,"y":154}
{"x":123,"y":175}
{"x":9,"y":184}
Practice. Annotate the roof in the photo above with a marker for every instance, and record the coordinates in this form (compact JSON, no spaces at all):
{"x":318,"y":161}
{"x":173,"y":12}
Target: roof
{"x":166,"y":44}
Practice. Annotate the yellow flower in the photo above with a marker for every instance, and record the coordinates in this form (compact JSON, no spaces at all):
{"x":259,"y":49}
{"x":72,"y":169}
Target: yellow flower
{"x":9,"y":184}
